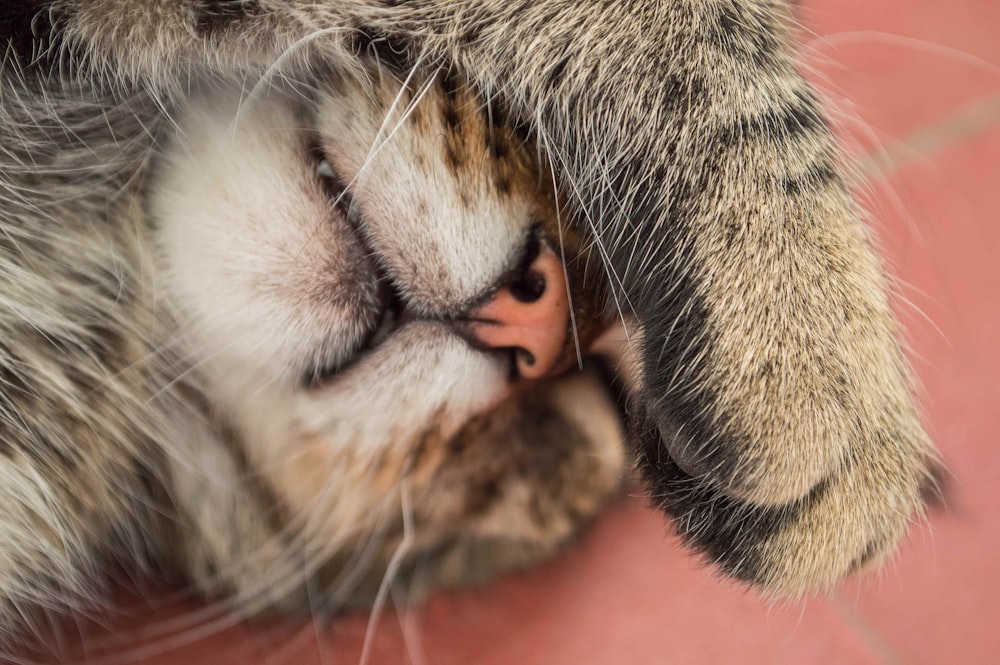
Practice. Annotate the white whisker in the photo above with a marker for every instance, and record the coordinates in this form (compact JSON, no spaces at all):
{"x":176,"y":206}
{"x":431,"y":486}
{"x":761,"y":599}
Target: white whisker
{"x":391,"y":570}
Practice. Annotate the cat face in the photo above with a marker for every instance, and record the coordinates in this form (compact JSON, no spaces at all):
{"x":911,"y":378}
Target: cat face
{"x":338,"y":263}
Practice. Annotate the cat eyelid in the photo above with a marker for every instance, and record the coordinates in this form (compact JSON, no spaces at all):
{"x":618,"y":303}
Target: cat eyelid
{"x":335,"y":187}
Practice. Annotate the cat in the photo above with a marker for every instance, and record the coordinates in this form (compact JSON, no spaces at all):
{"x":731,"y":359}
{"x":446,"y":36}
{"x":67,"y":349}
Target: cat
{"x":266,"y":268}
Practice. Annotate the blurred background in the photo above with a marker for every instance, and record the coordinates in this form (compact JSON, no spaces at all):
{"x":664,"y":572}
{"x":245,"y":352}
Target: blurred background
{"x":916,"y":89}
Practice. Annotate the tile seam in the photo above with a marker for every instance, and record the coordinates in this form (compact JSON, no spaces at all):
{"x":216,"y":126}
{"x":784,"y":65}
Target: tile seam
{"x":878,"y":646}
{"x":966,"y":123}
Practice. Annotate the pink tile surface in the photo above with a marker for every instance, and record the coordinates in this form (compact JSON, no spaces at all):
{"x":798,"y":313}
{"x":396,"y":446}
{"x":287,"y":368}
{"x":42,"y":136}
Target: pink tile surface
{"x":891,"y":67}
{"x":627,"y":593}
{"x":968,"y":26}
{"x":940,"y":603}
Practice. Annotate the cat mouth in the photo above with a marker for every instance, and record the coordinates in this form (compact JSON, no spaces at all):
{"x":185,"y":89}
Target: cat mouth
{"x":392,"y":311}
{"x":392,"y":315}
{"x":564,"y":344}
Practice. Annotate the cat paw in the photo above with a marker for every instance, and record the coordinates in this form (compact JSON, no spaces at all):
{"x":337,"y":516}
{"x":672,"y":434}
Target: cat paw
{"x":850,"y":521}
{"x":772,"y":359}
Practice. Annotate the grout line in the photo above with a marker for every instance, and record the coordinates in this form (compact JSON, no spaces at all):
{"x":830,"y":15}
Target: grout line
{"x":877,"y":645}
{"x":974,"y":119}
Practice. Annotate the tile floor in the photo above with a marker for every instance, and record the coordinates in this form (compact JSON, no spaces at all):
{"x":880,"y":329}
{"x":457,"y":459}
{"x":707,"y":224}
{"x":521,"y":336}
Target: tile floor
{"x":917,"y":83}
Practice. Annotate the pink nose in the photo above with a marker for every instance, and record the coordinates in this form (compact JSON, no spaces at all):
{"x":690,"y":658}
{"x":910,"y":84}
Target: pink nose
{"x":530,"y":316}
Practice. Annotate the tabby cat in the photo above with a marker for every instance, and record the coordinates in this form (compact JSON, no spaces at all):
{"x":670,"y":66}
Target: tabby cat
{"x":299,"y":295}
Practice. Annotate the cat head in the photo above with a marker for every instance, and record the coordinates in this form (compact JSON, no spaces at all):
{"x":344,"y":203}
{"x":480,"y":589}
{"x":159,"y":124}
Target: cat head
{"x":364,"y":271}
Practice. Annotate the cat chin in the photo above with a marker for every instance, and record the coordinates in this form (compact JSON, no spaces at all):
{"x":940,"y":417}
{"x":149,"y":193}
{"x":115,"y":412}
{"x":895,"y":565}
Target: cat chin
{"x":420,"y":415}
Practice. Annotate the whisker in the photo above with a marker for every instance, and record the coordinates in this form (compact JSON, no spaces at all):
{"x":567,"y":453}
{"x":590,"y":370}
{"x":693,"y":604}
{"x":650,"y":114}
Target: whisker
{"x":412,"y":635}
{"x":562,"y":258}
{"x":616,"y":285}
{"x":391,"y":570}
{"x":293,"y":50}
{"x":851,"y":37}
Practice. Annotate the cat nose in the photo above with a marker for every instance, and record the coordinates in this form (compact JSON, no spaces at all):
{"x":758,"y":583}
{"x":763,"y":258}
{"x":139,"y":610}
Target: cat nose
{"x":530,"y":315}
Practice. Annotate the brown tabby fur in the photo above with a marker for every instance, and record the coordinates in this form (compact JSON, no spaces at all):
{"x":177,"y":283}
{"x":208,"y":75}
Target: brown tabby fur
{"x":772,"y":413}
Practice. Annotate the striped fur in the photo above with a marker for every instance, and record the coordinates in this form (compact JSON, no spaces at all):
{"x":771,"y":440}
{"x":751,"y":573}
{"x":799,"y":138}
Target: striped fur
{"x":771,"y":409}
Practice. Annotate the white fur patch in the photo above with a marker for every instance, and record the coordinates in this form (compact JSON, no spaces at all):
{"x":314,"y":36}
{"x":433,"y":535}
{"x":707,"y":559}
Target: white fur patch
{"x":268,"y":277}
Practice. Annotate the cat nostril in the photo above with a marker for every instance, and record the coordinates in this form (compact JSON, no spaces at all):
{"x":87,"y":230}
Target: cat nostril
{"x":528,"y":284}
{"x":529,"y":287}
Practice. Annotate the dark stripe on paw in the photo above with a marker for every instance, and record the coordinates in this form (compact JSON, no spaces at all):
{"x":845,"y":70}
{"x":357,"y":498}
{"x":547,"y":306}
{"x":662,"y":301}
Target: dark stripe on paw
{"x":743,"y":37}
{"x":730,"y":532}
{"x":871,"y":551}
{"x":664,"y":293}
{"x":817,"y":176}
{"x":799,"y":117}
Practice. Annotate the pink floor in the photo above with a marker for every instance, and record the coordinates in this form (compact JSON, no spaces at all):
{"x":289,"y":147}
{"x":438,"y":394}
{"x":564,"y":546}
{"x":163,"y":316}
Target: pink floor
{"x":918,"y":85}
